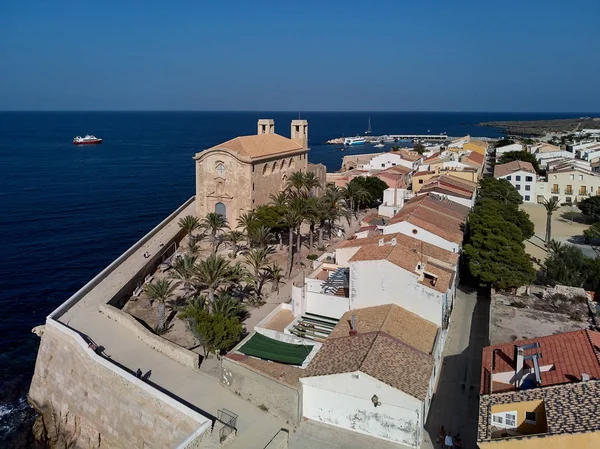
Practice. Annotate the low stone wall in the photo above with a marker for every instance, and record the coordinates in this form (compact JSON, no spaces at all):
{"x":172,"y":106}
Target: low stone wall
{"x":280,"y":399}
{"x":86,"y":401}
{"x":279,"y":441}
{"x":170,"y":349}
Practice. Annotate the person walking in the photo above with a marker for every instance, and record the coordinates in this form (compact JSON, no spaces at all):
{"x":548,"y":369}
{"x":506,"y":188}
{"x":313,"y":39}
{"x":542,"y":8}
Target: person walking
{"x":441,"y":438}
{"x":448,"y":442}
{"x":138,"y":373}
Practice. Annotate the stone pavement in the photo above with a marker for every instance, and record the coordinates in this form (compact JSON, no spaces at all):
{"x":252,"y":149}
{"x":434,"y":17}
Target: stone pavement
{"x":455,"y":404}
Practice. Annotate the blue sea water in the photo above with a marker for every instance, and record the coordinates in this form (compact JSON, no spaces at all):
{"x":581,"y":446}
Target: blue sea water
{"x":67,"y":211}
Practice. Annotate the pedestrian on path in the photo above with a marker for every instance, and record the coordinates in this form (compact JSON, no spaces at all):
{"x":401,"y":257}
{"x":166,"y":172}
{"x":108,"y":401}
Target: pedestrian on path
{"x":138,"y":373}
{"x":441,"y":438}
{"x":448,"y":442}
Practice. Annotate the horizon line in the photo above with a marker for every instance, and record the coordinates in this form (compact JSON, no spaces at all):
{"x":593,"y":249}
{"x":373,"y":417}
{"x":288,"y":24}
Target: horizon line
{"x":289,"y":111}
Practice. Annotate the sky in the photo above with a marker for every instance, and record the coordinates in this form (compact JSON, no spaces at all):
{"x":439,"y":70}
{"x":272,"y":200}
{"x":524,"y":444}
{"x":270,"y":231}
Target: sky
{"x":311,"y":55}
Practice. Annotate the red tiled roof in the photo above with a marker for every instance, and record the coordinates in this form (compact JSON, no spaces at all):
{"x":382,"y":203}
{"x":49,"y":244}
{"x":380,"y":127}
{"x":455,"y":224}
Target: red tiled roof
{"x":570,"y":353}
{"x":476,"y":157}
{"x":425,"y":172}
{"x":511,"y":167}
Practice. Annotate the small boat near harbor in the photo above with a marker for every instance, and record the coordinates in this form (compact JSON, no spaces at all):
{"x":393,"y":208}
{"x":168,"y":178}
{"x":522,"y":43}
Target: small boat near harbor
{"x":87,"y":140}
{"x":351,"y":141}
{"x":379,"y":145}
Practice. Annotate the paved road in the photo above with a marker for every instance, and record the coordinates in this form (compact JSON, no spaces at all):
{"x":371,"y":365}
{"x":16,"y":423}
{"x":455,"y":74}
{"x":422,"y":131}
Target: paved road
{"x":455,"y":404}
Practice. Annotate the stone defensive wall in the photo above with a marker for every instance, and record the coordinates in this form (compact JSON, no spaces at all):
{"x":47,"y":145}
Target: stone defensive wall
{"x":87,"y":400}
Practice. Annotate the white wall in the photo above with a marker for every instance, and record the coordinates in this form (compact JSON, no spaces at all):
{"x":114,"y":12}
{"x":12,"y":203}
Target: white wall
{"x":379,"y":282}
{"x":326,"y":305}
{"x":344,"y":400}
{"x":386,"y":160}
{"x":407,"y":228}
{"x":468,"y":202}
{"x":522,"y":184}
{"x":342,"y":255}
{"x":391,"y":205}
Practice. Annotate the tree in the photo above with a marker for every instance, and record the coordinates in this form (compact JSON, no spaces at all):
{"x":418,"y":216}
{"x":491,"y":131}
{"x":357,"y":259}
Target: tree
{"x":295,"y":182}
{"x":219,"y":332}
{"x":213,"y":272}
{"x":247,"y":222}
{"x":270,"y":216}
{"x":372,"y":185}
{"x":314,"y":212}
{"x":214,"y":223}
{"x":275,"y":275}
{"x":567,"y":266}
{"x":233,"y":238}
{"x":311,"y":182}
{"x":520,"y":156}
{"x":291,"y":219}
{"x":228,"y":306}
{"x":183,"y":270}
{"x":160,"y":291}
{"x":258,"y":260}
{"x":591,"y":207}
{"x":189,"y":223}
{"x":551,"y":206}
{"x":261,"y":236}
{"x":419,"y":148}
{"x":335,"y":207}
{"x":508,"y":212}
{"x":503,"y":143}
{"x":592,"y":233}
{"x":499,"y":190}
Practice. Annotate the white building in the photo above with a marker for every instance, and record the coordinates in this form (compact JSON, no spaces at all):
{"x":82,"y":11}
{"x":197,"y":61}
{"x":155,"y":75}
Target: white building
{"x":431,"y":219}
{"x":507,"y":148}
{"x":521,"y":175}
{"x":393,"y":201}
{"x":569,"y":185}
{"x":402,"y":270}
{"x":544,"y":158}
{"x":376,"y":376}
{"x":386,"y":160}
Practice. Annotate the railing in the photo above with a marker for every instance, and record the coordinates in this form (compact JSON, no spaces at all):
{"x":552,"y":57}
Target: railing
{"x":229,"y":421}
{"x":568,"y":192}
{"x":555,"y":191}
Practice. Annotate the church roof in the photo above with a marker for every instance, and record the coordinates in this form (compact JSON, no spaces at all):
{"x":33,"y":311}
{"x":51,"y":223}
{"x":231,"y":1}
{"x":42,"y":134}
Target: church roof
{"x":258,"y":146}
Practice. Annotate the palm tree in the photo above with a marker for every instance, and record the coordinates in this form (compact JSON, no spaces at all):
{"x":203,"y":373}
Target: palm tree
{"x":311,"y":182}
{"x":335,"y":206}
{"x":234,"y":237}
{"x":213,"y":272}
{"x":279,"y":202}
{"x":291,"y":218}
{"x":227,"y":305}
{"x":183,"y":270}
{"x":299,"y":202}
{"x":554,"y":247}
{"x":193,"y":247}
{"x":362,"y":197}
{"x":246,"y":222}
{"x":295,"y":181}
{"x":214,"y":223}
{"x":189,"y":223}
{"x":551,"y":206}
{"x":313,"y":215}
{"x":160,"y":291}
{"x":275,"y":275}
{"x":258,"y":260}
{"x":261,"y":236}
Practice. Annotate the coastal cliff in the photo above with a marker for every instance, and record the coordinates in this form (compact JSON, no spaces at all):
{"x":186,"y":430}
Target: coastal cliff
{"x":85,"y":404}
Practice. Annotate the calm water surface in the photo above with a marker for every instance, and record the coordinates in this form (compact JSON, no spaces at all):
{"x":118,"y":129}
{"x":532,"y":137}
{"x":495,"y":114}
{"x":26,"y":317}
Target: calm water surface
{"x":68,"y":211}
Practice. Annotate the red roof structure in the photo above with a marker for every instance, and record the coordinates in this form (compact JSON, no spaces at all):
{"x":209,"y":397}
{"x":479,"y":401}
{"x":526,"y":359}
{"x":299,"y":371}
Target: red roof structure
{"x":564,"y":359}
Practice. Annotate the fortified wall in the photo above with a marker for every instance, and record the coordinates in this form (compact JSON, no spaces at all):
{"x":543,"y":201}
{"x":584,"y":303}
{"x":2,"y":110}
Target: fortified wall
{"x":84,"y":397}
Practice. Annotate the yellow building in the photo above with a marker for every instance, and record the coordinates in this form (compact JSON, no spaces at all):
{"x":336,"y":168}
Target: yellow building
{"x":479,"y":146}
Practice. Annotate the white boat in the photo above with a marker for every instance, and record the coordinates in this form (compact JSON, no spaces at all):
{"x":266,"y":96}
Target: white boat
{"x":379,"y":145}
{"x":87,"y":140}
{"x":369,"y":131}
{"x":351,"y":141}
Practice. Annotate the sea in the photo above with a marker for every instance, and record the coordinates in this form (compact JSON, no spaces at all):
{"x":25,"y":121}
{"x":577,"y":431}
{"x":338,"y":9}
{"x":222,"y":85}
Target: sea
{"x":67,"y":211}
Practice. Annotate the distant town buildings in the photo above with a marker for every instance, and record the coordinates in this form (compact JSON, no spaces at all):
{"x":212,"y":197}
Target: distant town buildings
{"x":521,"y":175}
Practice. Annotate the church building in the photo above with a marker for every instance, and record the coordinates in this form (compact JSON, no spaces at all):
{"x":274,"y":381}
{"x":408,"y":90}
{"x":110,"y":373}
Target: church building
{"x":242,"y":173}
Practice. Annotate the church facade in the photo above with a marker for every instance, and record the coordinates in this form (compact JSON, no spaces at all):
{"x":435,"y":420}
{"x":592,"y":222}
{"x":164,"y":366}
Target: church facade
{"x":242,"y":173}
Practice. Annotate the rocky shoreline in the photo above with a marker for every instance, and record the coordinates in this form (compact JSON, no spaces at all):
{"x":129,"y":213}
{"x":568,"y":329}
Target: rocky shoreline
{"x":543,"y":127}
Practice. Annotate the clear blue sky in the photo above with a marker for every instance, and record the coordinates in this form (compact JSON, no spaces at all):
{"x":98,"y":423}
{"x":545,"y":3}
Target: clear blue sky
{"x":435,"y":55}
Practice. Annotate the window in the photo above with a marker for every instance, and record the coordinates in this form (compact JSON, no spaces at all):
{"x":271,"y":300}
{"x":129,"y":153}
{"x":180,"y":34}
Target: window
{"x":571,"y":177}
{"x":581,"y":177}
{"x":569,"y":189}
{"x":507,"y":420}
{"x":554,"y":177}
{"x":518,"y":186}
{"x":252,"y":186}
{"x":530,"y":417}
{"x":220,"y":168}
{"x":518,"y":177}
{"x":382,"y":165}
{"x":420,"y":181}
{"x":508,"y":178}
{"x":528,"y":178}
{"x":221,"y":210}
{"x":568,"y":199}
{"x":527,"y":198}
{"x":527,"y":187}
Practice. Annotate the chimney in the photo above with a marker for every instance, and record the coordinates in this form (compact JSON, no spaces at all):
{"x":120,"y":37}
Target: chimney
{"x":299,"y":133}
{"x":381,"y":241}
{"x":266,"y":126}
{"x":394,"y":241}
{"x":585,"y":377}
{"x":518,"y":364}
{"x":353,"y":330}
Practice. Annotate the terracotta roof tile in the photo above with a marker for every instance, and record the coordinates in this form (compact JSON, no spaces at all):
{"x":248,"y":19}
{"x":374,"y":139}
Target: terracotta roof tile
{"x":571,"y":353}
{"x":288,"y":374}
{"x":408,"y":253}
{"x":352,"y":243}
{"x":377,"y":353}
{"x":476,"y":157}
{"x":259,"y":145}
{"x":511,"y":167}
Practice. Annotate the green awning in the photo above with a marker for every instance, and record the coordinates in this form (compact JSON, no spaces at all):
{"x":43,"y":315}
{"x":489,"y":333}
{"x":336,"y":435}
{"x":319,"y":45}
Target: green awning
{"x":278,"y":351}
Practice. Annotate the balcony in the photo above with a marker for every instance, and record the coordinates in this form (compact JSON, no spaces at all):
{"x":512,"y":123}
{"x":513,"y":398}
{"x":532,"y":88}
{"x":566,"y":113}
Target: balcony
{"x":555,"y":191}
{"x":568,"y":191}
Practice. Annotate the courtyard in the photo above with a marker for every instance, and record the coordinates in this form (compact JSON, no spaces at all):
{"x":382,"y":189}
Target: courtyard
{"x":568,"y":224}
